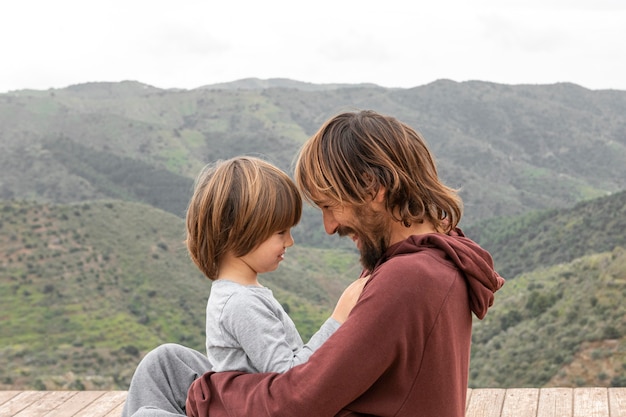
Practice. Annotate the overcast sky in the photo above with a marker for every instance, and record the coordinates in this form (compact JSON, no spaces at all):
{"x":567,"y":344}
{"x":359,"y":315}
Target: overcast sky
{"x":393,"y":43}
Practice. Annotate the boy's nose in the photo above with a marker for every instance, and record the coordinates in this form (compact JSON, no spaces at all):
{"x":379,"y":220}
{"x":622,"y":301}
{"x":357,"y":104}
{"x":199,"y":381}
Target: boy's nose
{"x":289,"y":240}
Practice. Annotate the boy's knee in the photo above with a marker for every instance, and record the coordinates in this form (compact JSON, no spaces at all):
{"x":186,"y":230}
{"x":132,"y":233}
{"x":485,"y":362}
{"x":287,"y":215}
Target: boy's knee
{"x":174,"y":356}
{"x":166,"y":350}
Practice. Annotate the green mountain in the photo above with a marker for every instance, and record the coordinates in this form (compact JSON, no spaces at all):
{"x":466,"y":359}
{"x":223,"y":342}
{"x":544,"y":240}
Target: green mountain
{"x":544,"y":238}
{"x":556,"y":326}
{"x":95,"y":179}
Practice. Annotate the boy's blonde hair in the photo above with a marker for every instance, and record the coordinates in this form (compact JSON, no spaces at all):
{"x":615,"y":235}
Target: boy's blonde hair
{"x":237,"y":204}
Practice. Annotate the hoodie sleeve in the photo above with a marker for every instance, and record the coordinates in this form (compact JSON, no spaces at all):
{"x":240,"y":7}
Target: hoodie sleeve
{"x":337,"y":373}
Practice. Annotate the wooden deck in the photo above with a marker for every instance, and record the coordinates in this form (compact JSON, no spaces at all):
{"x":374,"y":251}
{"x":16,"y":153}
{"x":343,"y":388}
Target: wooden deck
{"x":518,"y":402}
{"x":62,"y":403}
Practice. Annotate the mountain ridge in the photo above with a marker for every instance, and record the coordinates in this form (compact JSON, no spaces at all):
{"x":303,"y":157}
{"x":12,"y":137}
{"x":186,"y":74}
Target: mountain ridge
{"x":508,"y":149}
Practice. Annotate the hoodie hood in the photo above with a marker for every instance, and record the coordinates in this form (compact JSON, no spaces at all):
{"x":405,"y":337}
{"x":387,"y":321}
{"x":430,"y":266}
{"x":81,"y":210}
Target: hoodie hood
{"x":474,"y":262}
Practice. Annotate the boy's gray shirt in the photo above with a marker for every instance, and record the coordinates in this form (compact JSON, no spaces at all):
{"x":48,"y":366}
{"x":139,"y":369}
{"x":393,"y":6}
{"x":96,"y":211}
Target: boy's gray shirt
{"x":248,"y":330}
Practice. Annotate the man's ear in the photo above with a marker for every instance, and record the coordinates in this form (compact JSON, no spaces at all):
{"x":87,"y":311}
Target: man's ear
{"x":381,"y":194}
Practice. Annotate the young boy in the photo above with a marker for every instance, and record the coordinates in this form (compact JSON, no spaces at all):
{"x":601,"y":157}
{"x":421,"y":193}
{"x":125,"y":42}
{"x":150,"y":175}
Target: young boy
{"x":239,"y":224}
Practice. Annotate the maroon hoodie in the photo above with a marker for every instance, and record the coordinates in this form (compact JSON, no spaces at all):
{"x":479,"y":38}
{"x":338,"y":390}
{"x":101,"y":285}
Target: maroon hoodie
{"x":404,"y":350}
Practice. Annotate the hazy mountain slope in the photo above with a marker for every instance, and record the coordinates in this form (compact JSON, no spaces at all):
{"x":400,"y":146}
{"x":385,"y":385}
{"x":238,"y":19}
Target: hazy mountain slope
{"x":113,"y":176}
{"x":510,"y":149}
{"x":518,"y":148}
{"x":258,"y":84}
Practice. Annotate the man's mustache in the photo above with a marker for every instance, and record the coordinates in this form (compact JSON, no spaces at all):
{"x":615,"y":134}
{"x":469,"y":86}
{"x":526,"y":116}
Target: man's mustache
{"x":345,"y":231}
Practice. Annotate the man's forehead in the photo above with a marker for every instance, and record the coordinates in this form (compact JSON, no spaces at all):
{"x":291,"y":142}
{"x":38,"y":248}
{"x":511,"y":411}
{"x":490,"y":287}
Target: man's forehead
{"x":319,"y":201}
{"x":324,"y":201}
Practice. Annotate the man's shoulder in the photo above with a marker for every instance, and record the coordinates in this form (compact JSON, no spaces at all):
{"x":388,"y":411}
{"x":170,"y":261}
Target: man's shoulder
{"x":425,"y":271}
{"x":422,"y":260}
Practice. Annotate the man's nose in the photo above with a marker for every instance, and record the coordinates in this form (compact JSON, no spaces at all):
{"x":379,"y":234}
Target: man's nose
{"x":330,"y":223}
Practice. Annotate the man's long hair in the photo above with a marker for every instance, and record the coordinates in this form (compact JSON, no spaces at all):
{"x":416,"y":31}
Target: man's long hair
{"x":355,"y":153}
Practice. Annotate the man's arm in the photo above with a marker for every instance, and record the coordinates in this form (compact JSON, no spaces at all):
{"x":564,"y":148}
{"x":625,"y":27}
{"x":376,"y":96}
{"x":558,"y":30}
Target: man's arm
{"x":344,"y":368}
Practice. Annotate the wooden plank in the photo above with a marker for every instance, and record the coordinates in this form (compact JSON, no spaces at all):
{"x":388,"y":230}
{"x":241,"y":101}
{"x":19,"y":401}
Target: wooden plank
{"x":103,"y":404}
{"x":591,"y":402}
{"x":468,"y":396}
{"x":19,"y":402}
{"x":486,"y":402}
{"x":7,"y":395}
{"x":50,"y":401}
{"x":117,"y":411}
{"x":555,"y":402}
{"x":520,"y":402}
{"x":76,"y":403}
{"x":617,"y":402}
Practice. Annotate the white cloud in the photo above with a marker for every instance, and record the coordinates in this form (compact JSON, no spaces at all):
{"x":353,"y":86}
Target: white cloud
{"x":189,"y":43}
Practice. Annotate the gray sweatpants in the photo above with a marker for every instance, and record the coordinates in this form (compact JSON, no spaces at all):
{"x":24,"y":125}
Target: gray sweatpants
{"x":160,"y":383}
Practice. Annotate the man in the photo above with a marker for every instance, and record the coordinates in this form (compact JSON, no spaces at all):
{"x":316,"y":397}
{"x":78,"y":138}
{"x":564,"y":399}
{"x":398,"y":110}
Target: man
{"x":404,"y":349}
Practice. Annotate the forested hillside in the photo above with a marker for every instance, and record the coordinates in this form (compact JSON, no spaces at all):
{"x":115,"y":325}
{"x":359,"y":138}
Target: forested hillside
{"x":557,"y":326}
{"x":95,"y":179}
{"x":545,"y":238}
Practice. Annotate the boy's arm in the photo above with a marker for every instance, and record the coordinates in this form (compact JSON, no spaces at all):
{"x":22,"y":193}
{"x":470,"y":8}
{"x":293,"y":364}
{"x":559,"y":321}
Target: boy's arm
{"x":271,"y":344}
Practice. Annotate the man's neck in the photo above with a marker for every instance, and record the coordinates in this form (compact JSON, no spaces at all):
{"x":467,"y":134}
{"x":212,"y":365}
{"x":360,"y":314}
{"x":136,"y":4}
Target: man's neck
{"x":400,"y":232}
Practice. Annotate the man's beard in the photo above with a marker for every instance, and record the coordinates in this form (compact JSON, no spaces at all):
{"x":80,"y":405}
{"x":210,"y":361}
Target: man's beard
{"x":373,"y":235}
